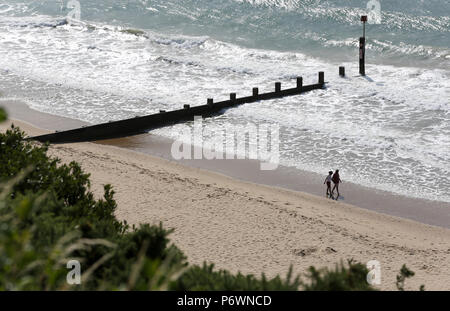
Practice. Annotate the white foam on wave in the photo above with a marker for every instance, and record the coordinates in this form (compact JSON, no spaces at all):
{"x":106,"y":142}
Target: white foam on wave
{"x":4,"y":8}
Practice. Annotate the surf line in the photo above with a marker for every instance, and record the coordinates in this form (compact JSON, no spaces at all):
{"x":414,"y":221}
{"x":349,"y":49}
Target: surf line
{"x":142,"y":124}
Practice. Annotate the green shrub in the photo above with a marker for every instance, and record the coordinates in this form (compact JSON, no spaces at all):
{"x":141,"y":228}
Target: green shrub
{"x":205,"y":278}
{"x":51,"y":201}
{"x":405,"y":273}
{"x":342,"y":278}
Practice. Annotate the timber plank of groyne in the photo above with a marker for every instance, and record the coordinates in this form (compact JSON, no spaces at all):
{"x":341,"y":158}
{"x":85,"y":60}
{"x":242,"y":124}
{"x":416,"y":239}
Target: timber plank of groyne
{"x":139,"y":125}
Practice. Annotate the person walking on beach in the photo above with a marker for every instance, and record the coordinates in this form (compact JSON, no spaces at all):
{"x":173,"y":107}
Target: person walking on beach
{"x":328,"y":182}
{"x":336,"y":180}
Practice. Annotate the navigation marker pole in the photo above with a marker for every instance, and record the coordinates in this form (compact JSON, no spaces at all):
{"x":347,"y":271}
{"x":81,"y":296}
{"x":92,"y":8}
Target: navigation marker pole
{"x":362,"y":48}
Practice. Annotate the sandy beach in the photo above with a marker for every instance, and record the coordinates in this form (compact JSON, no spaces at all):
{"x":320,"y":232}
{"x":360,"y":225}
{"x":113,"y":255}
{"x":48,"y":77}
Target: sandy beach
{"x":252,"y":228}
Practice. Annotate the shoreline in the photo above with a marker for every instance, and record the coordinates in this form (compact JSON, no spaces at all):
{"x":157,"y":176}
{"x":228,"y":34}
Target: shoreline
{"x":252,"y":228}
{"x":436,"y":213}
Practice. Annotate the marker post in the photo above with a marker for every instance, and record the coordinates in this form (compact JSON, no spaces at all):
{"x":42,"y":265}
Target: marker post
{"x":362,"y":48}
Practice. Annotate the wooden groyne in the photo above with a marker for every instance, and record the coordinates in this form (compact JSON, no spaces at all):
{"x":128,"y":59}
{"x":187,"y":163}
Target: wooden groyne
{"x":139,"y":125}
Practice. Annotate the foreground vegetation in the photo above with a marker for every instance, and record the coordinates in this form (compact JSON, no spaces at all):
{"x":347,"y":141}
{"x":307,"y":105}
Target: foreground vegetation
{"x":48,"y":216}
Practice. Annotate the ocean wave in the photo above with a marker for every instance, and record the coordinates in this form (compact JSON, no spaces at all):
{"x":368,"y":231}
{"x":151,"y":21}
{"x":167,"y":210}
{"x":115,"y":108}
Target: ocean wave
{"x":308,"y":25}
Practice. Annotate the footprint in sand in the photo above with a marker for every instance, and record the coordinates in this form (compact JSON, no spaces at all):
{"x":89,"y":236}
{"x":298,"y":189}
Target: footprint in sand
{"x":330,"y":250}
{"x":304,"y":252}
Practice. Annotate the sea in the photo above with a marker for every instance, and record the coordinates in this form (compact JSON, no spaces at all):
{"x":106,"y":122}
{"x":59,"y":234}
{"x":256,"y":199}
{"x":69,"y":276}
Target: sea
{"x":104,"y":60}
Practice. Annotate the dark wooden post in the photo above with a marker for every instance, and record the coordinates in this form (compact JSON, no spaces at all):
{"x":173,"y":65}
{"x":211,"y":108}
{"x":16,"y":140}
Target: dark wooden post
{"x":232,"y":96}
{"x":210,"y":101}
{"x":186,"y":106}
{"x":362,"y":56}
{"x":362,"y":48}
{"x":321,"y":77}
{"x":342,"y":71}
{"x":162,"y":111}
{"x":277,"y":87}
{"x":299,"y":83}
{"x":255,"y":92}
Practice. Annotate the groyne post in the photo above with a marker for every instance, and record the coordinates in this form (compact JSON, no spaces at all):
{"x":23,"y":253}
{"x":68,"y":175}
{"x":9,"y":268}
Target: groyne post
{"x":342,"y":71}
{"x":255,"y":92}
{"x":299,"y":83}
{"x":232,"y":96}
{"x":210,"y":101}
{"x":277,"y":87}
{"x":321,"y":77}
